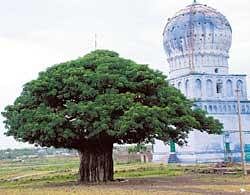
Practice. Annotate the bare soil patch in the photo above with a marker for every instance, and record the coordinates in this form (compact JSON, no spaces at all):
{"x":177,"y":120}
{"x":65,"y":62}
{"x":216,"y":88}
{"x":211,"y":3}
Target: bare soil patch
{"x":188,"y":184}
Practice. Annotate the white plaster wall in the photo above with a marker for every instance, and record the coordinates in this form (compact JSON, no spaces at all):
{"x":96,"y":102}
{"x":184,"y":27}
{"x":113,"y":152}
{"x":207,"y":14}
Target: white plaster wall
{"x":203,"y":147}
{"x":230,"y":121}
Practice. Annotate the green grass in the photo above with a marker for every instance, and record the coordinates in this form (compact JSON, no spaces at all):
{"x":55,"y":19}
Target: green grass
{"x":59,"y":176}
{"x":147,"y":170}
{"x":88,"y":191}
{"x":45,"y":171}
{"x":38,"y":172}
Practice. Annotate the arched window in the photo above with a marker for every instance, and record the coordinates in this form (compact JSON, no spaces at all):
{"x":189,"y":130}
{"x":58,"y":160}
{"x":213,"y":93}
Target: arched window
{"x":197,"y":88}
{"x":243,"y":109}
{"x":240,"y":87}
{"x":187,"y":88}
{"x":219,"y":87}
{"x":224,"y":108}
{"x":210,"y":108}
{"x":229,"y":88}
{"x":209,"y":88}
{"x":234,"y":108}
{"x":247,"y":107}
{"x":220,"y":108}
{"x":179,"y":85}
{"x":215,"y":108}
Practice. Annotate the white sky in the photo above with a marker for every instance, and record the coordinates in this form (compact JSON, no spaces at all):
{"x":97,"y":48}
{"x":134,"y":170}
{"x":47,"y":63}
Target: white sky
{"x":38,"y":34}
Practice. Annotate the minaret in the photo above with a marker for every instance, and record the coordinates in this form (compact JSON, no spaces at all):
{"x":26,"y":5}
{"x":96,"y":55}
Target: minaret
{"x":197,"y":40}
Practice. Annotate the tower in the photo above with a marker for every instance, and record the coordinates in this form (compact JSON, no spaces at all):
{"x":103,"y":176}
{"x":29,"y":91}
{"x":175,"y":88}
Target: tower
{"x":197,"y":40}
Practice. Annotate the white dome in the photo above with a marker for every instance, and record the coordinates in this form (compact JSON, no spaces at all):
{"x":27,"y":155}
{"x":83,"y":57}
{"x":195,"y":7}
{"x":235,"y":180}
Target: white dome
{"x":197,"y":39}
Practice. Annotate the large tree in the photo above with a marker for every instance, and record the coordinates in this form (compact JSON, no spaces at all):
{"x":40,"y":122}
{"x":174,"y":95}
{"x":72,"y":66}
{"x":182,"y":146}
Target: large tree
{"x":100,"y":99}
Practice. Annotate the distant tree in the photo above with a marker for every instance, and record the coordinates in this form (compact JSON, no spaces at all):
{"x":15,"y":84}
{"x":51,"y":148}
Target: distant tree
{"x":137,"y":148}
{"x":100,"y":99}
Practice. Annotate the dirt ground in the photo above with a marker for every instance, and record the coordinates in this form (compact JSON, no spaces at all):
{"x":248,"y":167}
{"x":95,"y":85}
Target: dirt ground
{"x":189,"y":184}
{"x":192,"y":184}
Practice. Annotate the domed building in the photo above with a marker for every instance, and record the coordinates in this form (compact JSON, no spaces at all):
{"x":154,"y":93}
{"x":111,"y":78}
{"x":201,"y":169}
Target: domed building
{"x":197,"y":40}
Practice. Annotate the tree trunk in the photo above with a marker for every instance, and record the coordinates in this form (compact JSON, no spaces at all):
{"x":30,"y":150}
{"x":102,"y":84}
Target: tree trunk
{"x":96,"y":163}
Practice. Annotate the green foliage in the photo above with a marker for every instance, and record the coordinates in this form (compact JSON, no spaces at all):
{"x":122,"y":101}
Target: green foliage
{"x":102,"y":98}
{"x":24,"y":153}
{"x":137,"y":148}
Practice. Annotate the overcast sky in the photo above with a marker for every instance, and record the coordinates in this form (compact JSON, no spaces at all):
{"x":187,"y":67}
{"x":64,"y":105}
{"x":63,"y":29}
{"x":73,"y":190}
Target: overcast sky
{"x":36,"y":34}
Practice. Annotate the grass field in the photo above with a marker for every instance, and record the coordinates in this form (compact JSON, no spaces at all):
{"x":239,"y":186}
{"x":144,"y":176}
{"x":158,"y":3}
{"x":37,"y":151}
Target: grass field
{"x":58,"y":176}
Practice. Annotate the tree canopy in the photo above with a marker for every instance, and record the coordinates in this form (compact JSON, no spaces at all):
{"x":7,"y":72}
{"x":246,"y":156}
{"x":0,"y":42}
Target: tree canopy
{"x":101,"y":99}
